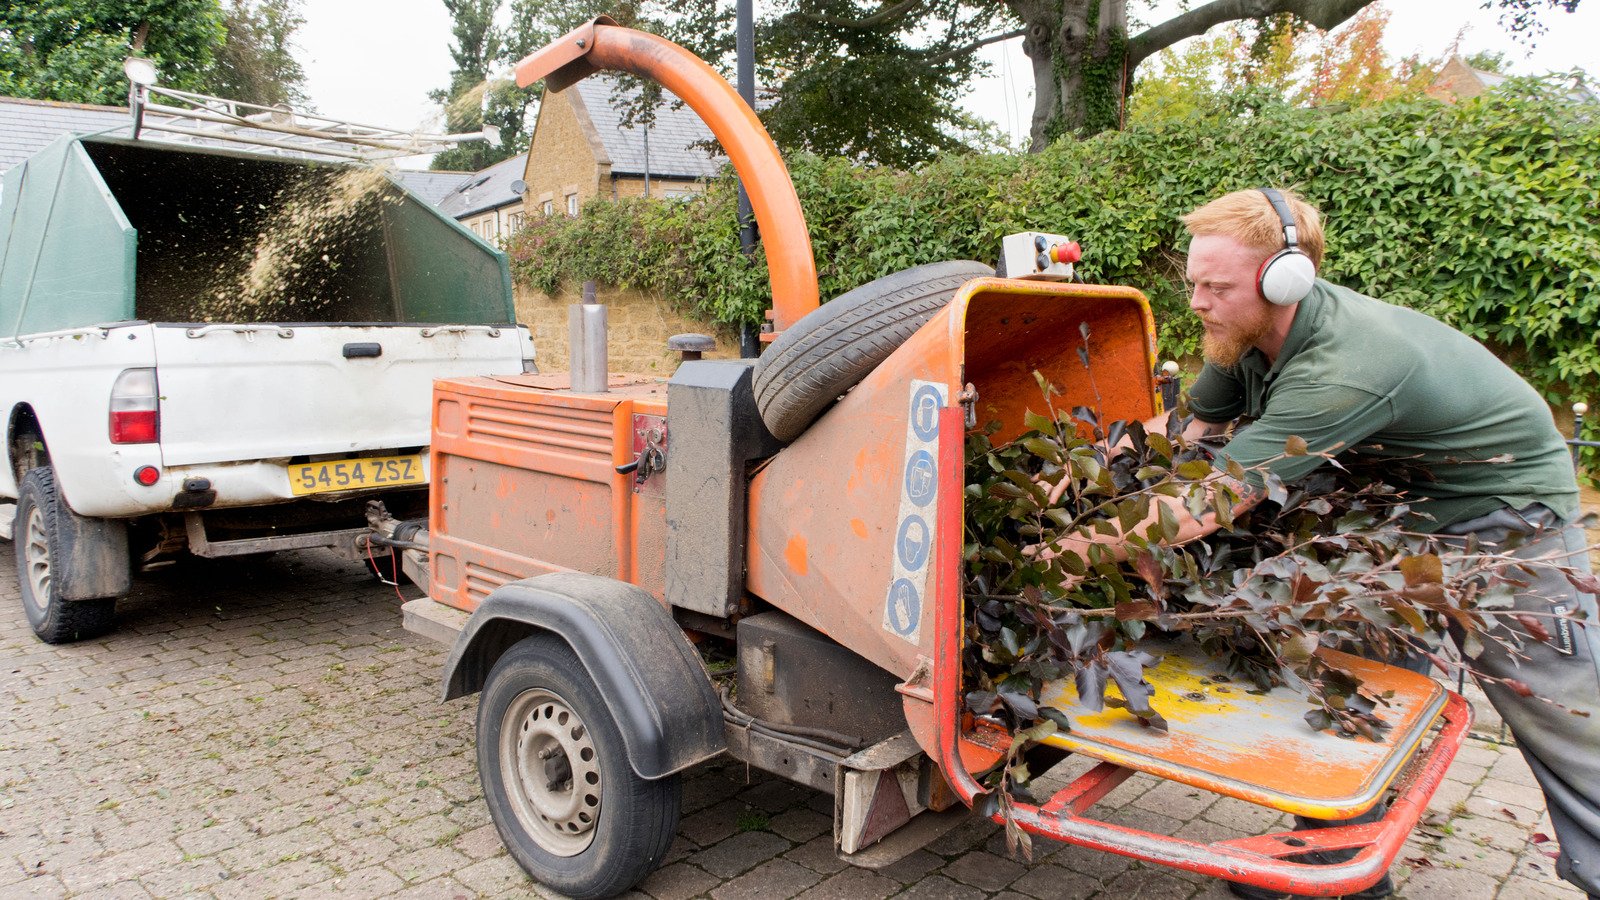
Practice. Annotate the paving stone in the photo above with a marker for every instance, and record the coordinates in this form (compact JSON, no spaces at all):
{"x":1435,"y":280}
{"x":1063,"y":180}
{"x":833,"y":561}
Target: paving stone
{"x":1052,"y":881}
{"x":817,"y":855}
{"x":1497,"y":790}
{"x":371,"y":882}
{"x":124,"y":866}
{"x":1467,"y":854}
{"x":1096,"y":864}
{"x":963,"y":837}
{"x":775,"y":795}
{"x":1519,"y":888}
{"x":280,"y":879}
{"x":1150,"y":885}
{"x":1244,"y":818}
{"x":479,"y":843}
{"x":740,"y":853}
{"x":912,"y":867}
{"x":713,"y":823}
{"x":800,"y":824}
{"x":295,"y":747}
{"x":777,"y":879}
{"x":853,"y":884}
{"x":125,"y":890}
{"x":984,"y":870}
{"x":1175,"y":801}
{"x":939,"y":887}
{"x":491,"y":876}
{"x":1439,"y":883}
{"x":678,"y":881}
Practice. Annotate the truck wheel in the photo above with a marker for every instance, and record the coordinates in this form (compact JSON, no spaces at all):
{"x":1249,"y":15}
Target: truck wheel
{"x":38,"y":546}
{"x":557,"y":779}
{"x":837,"y":344}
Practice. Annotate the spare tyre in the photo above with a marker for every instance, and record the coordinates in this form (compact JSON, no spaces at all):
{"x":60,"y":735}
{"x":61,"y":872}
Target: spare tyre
{"x":830,"y":350}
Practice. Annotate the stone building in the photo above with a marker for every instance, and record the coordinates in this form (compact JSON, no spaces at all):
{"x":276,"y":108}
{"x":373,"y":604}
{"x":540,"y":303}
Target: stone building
{"x":1459,"y":81}
{"x":581,"y":149}
{"x":490,"y":201}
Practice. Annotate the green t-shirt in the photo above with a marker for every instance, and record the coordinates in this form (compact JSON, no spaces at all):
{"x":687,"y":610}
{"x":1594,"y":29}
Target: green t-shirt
{"x":1361,"y":376}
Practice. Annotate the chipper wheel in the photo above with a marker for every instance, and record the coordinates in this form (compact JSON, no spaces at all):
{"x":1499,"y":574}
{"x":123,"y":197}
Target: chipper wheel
{"x":557,"y":780}
{"x":834,"y":346}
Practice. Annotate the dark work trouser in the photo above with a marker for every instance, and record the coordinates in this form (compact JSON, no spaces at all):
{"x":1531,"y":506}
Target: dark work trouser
{"x":1562,"y":749}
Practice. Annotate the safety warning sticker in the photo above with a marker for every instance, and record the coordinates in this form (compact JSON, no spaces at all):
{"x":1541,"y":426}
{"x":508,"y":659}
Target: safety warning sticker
{"x":919,"y":497}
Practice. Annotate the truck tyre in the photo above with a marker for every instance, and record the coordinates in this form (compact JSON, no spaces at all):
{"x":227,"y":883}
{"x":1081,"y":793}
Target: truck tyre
{"x":38,"y":528}
{"x":834,"y":346}
{"x":556,"y":776}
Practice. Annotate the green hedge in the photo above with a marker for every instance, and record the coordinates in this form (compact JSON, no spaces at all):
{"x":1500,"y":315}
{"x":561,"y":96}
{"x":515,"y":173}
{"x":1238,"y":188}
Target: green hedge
{"x":1483,"y":214}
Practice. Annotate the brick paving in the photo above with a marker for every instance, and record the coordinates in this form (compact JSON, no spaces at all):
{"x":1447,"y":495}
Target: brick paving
{"x":265,"y":728}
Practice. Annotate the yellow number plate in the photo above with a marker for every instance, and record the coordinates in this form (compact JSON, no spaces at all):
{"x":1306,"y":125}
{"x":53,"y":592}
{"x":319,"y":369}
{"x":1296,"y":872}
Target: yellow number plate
{"x":355,"y":474}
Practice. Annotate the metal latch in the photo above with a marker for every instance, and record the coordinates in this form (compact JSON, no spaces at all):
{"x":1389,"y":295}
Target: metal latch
{"x":969,"y":402}
{"x":649,"y":449}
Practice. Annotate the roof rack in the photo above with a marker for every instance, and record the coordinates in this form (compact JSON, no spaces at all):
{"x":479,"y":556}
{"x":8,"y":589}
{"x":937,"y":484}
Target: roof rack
{"x":278,"y":130}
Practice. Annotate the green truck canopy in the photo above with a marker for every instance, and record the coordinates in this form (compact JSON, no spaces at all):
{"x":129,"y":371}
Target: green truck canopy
{"x":96,"y":230}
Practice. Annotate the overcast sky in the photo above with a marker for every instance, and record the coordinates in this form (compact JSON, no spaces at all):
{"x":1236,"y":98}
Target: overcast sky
{"x":374,"y":61}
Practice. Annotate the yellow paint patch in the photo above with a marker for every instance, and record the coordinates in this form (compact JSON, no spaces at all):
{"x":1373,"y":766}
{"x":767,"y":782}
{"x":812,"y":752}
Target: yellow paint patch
{"x":859,"y":527}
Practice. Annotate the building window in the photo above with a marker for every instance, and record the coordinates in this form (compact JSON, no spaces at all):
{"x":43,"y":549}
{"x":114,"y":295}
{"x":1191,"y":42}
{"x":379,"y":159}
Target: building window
{"x":549,"y":208}
{"x":515,"y":220}
{"x":572,"y":204}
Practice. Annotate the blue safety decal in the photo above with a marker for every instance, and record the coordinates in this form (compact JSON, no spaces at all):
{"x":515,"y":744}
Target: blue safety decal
{"x":919,"y":494}
{"x":905,"y":608}
{"x":925,"y":403}
{"x":913,"y":542}
{"x":922,"y":478}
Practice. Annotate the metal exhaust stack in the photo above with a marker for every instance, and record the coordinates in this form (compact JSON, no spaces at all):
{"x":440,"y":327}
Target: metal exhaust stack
{"x":586,"y":344}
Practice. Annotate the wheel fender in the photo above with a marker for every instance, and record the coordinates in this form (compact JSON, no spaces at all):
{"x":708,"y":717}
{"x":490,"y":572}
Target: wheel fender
{"x":663,"y":701}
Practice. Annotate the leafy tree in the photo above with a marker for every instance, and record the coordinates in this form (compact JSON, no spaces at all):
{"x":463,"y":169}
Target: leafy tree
{"x":867,"y":87}
{"x":1278,"y":60}
{"x":474,"y":49}
{"x":1085,"y":53}
{"x":254,"y":62}
{"x":73,"y":51}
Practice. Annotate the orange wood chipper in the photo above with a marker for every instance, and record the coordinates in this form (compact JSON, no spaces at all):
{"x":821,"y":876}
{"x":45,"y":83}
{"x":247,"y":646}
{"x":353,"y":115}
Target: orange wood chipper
{"x":588,"y":550}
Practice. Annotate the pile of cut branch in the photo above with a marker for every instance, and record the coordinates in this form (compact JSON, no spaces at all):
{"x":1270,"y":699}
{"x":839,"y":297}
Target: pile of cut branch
{"x":1333,"y":561}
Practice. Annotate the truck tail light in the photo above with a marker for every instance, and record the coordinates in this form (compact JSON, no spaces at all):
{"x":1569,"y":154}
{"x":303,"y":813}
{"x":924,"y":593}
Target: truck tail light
{"x":135,"y":408}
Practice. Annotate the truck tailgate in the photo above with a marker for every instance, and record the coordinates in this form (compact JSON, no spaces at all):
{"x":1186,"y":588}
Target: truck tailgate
{"x":247,"y":392}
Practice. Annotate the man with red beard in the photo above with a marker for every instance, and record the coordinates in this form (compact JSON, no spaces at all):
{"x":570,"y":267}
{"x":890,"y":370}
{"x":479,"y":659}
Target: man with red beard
{"x":1290,"y":355}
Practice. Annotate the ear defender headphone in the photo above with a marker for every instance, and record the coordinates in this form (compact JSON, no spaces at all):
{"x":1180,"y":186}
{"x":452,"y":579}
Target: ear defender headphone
{"x":1286,"y":277}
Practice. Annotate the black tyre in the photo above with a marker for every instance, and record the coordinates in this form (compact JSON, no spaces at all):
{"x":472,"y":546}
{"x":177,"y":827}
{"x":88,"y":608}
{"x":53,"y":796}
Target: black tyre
{"x":557,"y":780}
{"x":830,"y":350}
{"x":37,"y":537}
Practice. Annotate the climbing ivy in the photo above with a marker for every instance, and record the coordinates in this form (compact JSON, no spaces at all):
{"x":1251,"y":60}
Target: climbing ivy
{"x":1481,"y":213}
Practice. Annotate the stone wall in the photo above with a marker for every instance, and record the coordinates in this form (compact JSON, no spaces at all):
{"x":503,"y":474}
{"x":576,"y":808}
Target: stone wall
{"x":639,"y":325}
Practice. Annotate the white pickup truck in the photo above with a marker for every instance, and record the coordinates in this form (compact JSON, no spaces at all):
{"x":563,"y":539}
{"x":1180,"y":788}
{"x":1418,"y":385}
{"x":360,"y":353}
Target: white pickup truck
{"x":219,"y":352}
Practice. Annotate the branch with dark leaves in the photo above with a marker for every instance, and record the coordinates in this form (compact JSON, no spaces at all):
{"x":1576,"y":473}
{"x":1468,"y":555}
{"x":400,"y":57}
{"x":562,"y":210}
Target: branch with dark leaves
{"x":1332,"y":560}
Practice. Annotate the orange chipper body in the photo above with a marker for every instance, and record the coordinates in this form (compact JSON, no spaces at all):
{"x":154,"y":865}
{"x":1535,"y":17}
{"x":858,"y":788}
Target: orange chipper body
{"x":855,"y":528}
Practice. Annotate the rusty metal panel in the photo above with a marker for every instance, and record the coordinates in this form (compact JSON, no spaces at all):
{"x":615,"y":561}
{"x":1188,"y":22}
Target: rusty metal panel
{"x":793,"y":675}
{"x":525,"y":483}
{"x":842,"y":521}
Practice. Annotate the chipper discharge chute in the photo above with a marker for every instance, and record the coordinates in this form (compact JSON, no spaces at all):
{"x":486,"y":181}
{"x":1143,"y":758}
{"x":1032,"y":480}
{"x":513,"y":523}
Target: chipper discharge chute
{"x":591,"y":542}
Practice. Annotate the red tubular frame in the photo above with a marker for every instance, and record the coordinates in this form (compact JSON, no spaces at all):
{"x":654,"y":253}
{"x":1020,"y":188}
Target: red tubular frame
{"x":1257,"y":861}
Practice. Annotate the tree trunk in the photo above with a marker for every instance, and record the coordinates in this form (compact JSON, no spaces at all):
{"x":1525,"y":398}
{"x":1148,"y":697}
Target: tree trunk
{"x":1079,"y":52}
